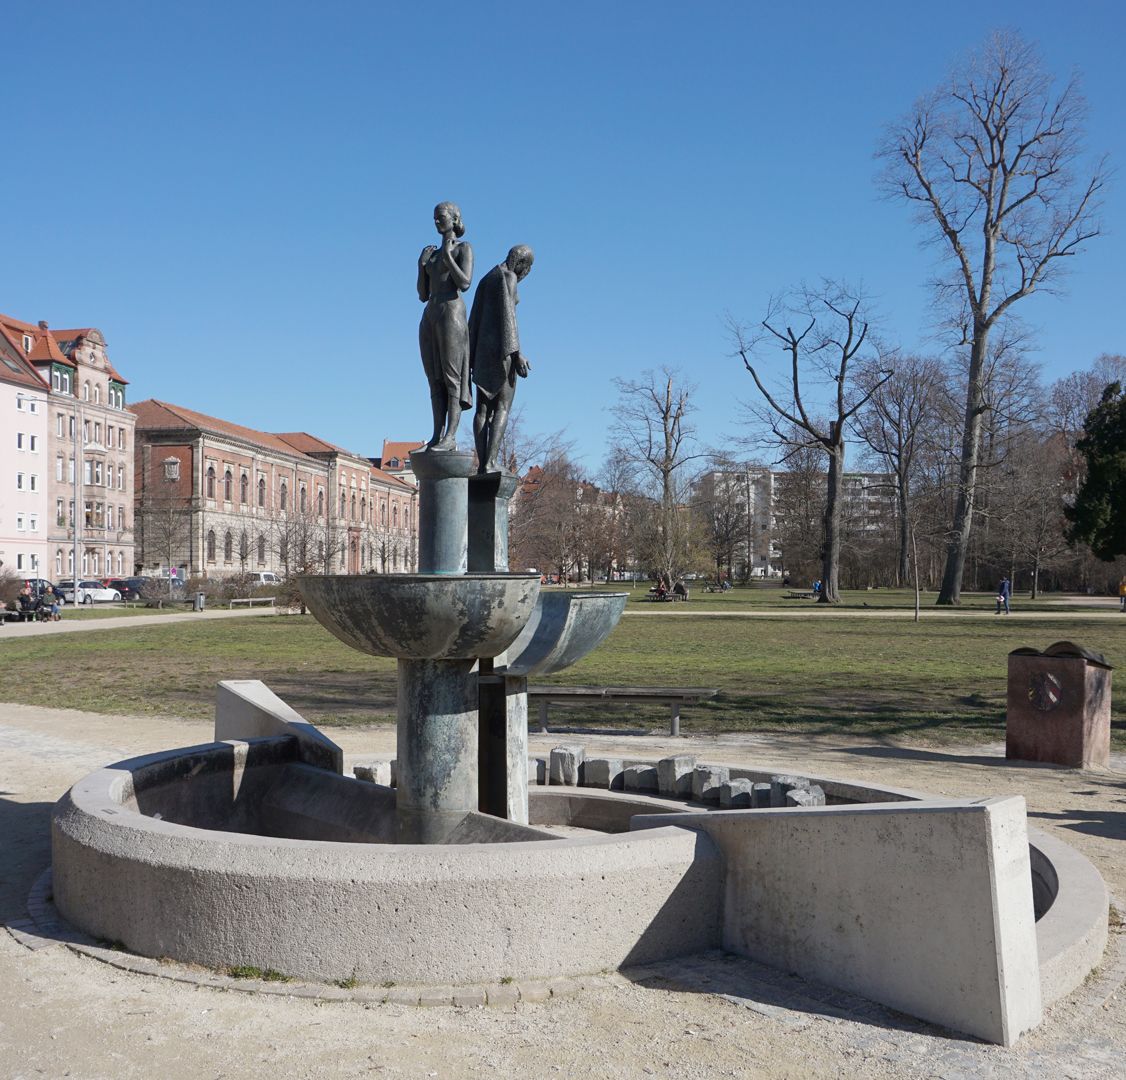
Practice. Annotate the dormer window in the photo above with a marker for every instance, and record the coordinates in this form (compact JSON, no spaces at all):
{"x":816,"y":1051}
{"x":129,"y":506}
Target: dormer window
{"x":27,"y":343}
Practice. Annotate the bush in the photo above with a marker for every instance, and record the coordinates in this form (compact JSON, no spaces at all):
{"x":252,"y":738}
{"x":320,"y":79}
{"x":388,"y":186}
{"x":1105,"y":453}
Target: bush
{"x":10,"y":586}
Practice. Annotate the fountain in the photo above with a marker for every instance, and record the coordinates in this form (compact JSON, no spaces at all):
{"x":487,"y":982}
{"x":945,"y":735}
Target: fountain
{"x":255,"y":850}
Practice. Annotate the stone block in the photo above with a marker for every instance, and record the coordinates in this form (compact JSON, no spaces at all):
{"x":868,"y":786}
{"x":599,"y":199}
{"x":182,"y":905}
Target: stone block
{"x":735,"y":795}
{"x":780,"y":785}
{"x":706,"y":782}
{"x":674,"y":776}
{"x":640,"y":778}
{"x":537,"y":771}
{"x":817,"y":794}
{"x":760,"y":796}
{"x":375,"y":772}
{"x":799,"y":797}
{"x":564,"y":765}
{"x":604,"y":773}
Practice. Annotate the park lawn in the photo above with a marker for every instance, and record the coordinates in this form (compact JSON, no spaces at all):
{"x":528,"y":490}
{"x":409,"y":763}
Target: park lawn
{"x":938,"y":680}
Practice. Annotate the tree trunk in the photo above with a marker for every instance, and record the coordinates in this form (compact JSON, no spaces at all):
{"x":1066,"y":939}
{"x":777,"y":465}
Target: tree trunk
{"x":831,"y":524}
{"x":903,"y":573}
{"x":951,"y":591}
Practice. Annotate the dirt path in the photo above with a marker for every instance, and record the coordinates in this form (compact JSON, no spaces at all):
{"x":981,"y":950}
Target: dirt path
{"x":65,"y":1015}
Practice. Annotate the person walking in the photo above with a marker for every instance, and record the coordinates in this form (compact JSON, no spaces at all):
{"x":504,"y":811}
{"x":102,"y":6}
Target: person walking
{"x":1004,"y":592}
{"x":1122,"y":594}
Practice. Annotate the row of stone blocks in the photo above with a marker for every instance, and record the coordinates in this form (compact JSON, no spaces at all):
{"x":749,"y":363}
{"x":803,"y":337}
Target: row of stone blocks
{"x":674,"y":777}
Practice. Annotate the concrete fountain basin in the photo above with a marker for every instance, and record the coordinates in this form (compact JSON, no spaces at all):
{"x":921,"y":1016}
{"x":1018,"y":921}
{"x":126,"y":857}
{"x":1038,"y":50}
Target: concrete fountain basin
{"x":423,"y":616}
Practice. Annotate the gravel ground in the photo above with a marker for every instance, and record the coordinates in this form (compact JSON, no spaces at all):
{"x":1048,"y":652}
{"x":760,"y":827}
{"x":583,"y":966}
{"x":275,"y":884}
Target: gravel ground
{"x":62,"y":1014}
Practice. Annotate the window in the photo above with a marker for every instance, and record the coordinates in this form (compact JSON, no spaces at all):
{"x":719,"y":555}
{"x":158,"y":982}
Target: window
{"x":353,"y":506}
{"x":109,"y":436}
{"x":395,"y":516}
{"x":19,"y":440}
{"x":303,"y":498}
{"x":60,"y":515}
{"x":55,"y":381}
{"x":70,"y":470}
{"x":33,"y":481}
{"x":261,"y":550}
{"x":88,"y":514}
{"x":87,"y":471}
{"x":20,"y":523}
{"x":97,"y":394}
{"x":58,"y":562}
{"x":363,"y":509}
{"x":243,"y":488}
{"x":121,"y":438}
{"x":70,"y":562}
{"x":27,"y":343}
{"x":33,"y":443}
{"x":228,"y":485}
{"x":243,"y":547}
{"x":97,"y":564}
{"x":64,"y":386}
{"x":19,"y":560}
{"x":210,"y":481}
{"x":85,"y":391}
{"x":109,"y":517}
{"x":98,"y":473}
{"x":228,"y":546}
{"x":320,"y":502}
{"x":121,"y":562}
{"x":343,"y":502}
{"x":383,"y":514}
{"x":33,"y":523}
{"x":19,"y":481}
{"x":261,"y":491}
{"x":121,"y":518}
{"x":60,"y":466}
{"x":70,"y":427}
{"x":121,"y":478}
{"x":60,"y":425}
{"x":210,"y":545}
{"x":85,"y":432}
{"x":98,"y":433}
{"x":284,"y":495}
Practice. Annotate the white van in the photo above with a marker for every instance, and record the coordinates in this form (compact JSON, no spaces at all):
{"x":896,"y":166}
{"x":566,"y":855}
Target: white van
{"x":263,"y":577}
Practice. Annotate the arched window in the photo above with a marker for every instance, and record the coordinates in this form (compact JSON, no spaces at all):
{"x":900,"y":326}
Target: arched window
{"x":363,"y":509}
{"x":228,"y":485}
{"x":59,"y":562}
{"x":343,"y":502}
{"x":383,"y":513}
{"x":210,"y":545}
{"x":121,"y":562}
{"x":320,"y":503}
{"x":97,"y":394}
{"x":243,"y":546}
{"x":261,"y":491}
{"x":303,"y":499}
{"x":353,"y":506}
{"x":406,"y":517}
{"x":228,"y":546}
{"x":284,"y":495}
{"x":85,"y":391}
{"x":210,"y":488}
{"x":395,"y":516}
{"x":261,"y":549}
{"x":243,"y":488}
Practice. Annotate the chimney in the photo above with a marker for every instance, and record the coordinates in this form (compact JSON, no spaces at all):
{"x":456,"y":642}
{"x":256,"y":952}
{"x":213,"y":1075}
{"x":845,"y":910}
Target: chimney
{"x":42,"y":324}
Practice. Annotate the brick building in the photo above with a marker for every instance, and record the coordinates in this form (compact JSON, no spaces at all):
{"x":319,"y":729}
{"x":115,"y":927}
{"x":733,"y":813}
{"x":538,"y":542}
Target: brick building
{"x":87,"y":461}
{"x":216,"y":498}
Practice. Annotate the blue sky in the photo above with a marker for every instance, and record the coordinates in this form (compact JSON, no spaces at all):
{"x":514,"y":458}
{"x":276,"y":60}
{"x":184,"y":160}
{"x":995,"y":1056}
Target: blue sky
{"x":236,"y":193}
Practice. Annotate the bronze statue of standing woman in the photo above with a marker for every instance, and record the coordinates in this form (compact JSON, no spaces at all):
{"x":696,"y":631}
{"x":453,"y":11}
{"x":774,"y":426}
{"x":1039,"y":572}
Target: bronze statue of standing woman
{"x":444,"y":273}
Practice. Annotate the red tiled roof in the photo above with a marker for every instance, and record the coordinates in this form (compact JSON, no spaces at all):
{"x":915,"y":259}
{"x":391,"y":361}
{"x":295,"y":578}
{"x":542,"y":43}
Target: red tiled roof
{"x":310,"y":444}
{"x":391,"y":478}
{"x":14,"y":367}
{"x":400,"y":450}
{"x":161,"y":415}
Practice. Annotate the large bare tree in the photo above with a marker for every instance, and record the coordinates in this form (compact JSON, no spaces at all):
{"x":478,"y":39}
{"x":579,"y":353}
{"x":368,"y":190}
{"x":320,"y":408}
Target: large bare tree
{"x":835,"y":335}
{"x":654,"y":433}
{"x":991,"y":160}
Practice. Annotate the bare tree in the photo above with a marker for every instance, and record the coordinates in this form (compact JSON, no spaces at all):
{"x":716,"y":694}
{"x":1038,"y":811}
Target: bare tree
{"x":163,"y":532}
{"x":989,"y":162}
{"x":894,"y":424}
{"x":654,"y":433}
{"x":834,"y":336}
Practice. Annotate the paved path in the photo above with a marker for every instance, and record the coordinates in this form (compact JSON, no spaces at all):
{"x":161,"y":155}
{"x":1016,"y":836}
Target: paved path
{"x":12,"y":630}
{"x":682,"y":610}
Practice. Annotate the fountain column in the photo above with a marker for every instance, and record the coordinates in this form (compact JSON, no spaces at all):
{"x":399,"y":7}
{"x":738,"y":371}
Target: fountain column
{"x":437,"y":700}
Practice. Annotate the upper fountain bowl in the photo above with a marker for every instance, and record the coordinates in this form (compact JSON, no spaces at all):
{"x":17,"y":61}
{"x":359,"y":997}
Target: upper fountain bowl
{"x":423,"y":616}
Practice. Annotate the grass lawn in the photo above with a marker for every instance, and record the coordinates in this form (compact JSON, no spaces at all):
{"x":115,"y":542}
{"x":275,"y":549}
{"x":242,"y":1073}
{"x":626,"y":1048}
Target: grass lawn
{"x":941,"y":679}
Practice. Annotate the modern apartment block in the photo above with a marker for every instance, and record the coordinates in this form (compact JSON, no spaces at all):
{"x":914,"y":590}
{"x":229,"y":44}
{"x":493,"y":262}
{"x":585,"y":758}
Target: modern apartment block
{"x":216,"y":499}
{"x":85,"y":457}
{"x":23,"y":461}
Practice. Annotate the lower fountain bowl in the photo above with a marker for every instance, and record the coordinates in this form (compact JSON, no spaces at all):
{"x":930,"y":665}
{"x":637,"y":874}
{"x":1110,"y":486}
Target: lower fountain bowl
{"x":423,"y":616}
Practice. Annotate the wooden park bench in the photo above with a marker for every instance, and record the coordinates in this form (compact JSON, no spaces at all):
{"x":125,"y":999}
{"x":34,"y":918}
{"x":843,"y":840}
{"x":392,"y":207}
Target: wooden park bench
{"x":252,"y":600}
{"x":791,"y":595}
{"x":674,"y":697}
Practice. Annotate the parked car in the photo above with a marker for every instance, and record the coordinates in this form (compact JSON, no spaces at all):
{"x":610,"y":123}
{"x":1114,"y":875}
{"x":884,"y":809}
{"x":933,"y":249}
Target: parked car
{"x":38,"y":585}
{"x":89,"y":592}
{"x":130,"y":588}
{"x":263,"y":577}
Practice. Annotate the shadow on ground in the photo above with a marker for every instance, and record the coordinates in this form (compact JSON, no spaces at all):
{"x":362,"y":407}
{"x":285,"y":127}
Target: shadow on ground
{"x":25,"y":851}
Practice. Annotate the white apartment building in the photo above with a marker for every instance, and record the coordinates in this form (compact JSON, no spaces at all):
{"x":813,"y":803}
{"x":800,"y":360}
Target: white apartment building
{"x":23,"y":462}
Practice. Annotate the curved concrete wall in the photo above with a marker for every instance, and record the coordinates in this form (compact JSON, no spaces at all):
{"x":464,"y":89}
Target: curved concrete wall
{"x":411,"y":914}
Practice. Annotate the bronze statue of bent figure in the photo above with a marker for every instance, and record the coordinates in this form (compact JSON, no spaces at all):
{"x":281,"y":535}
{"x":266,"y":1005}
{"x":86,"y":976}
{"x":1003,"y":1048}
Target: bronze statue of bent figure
{"x":444,"y":273}
{"x":494,"y":352}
